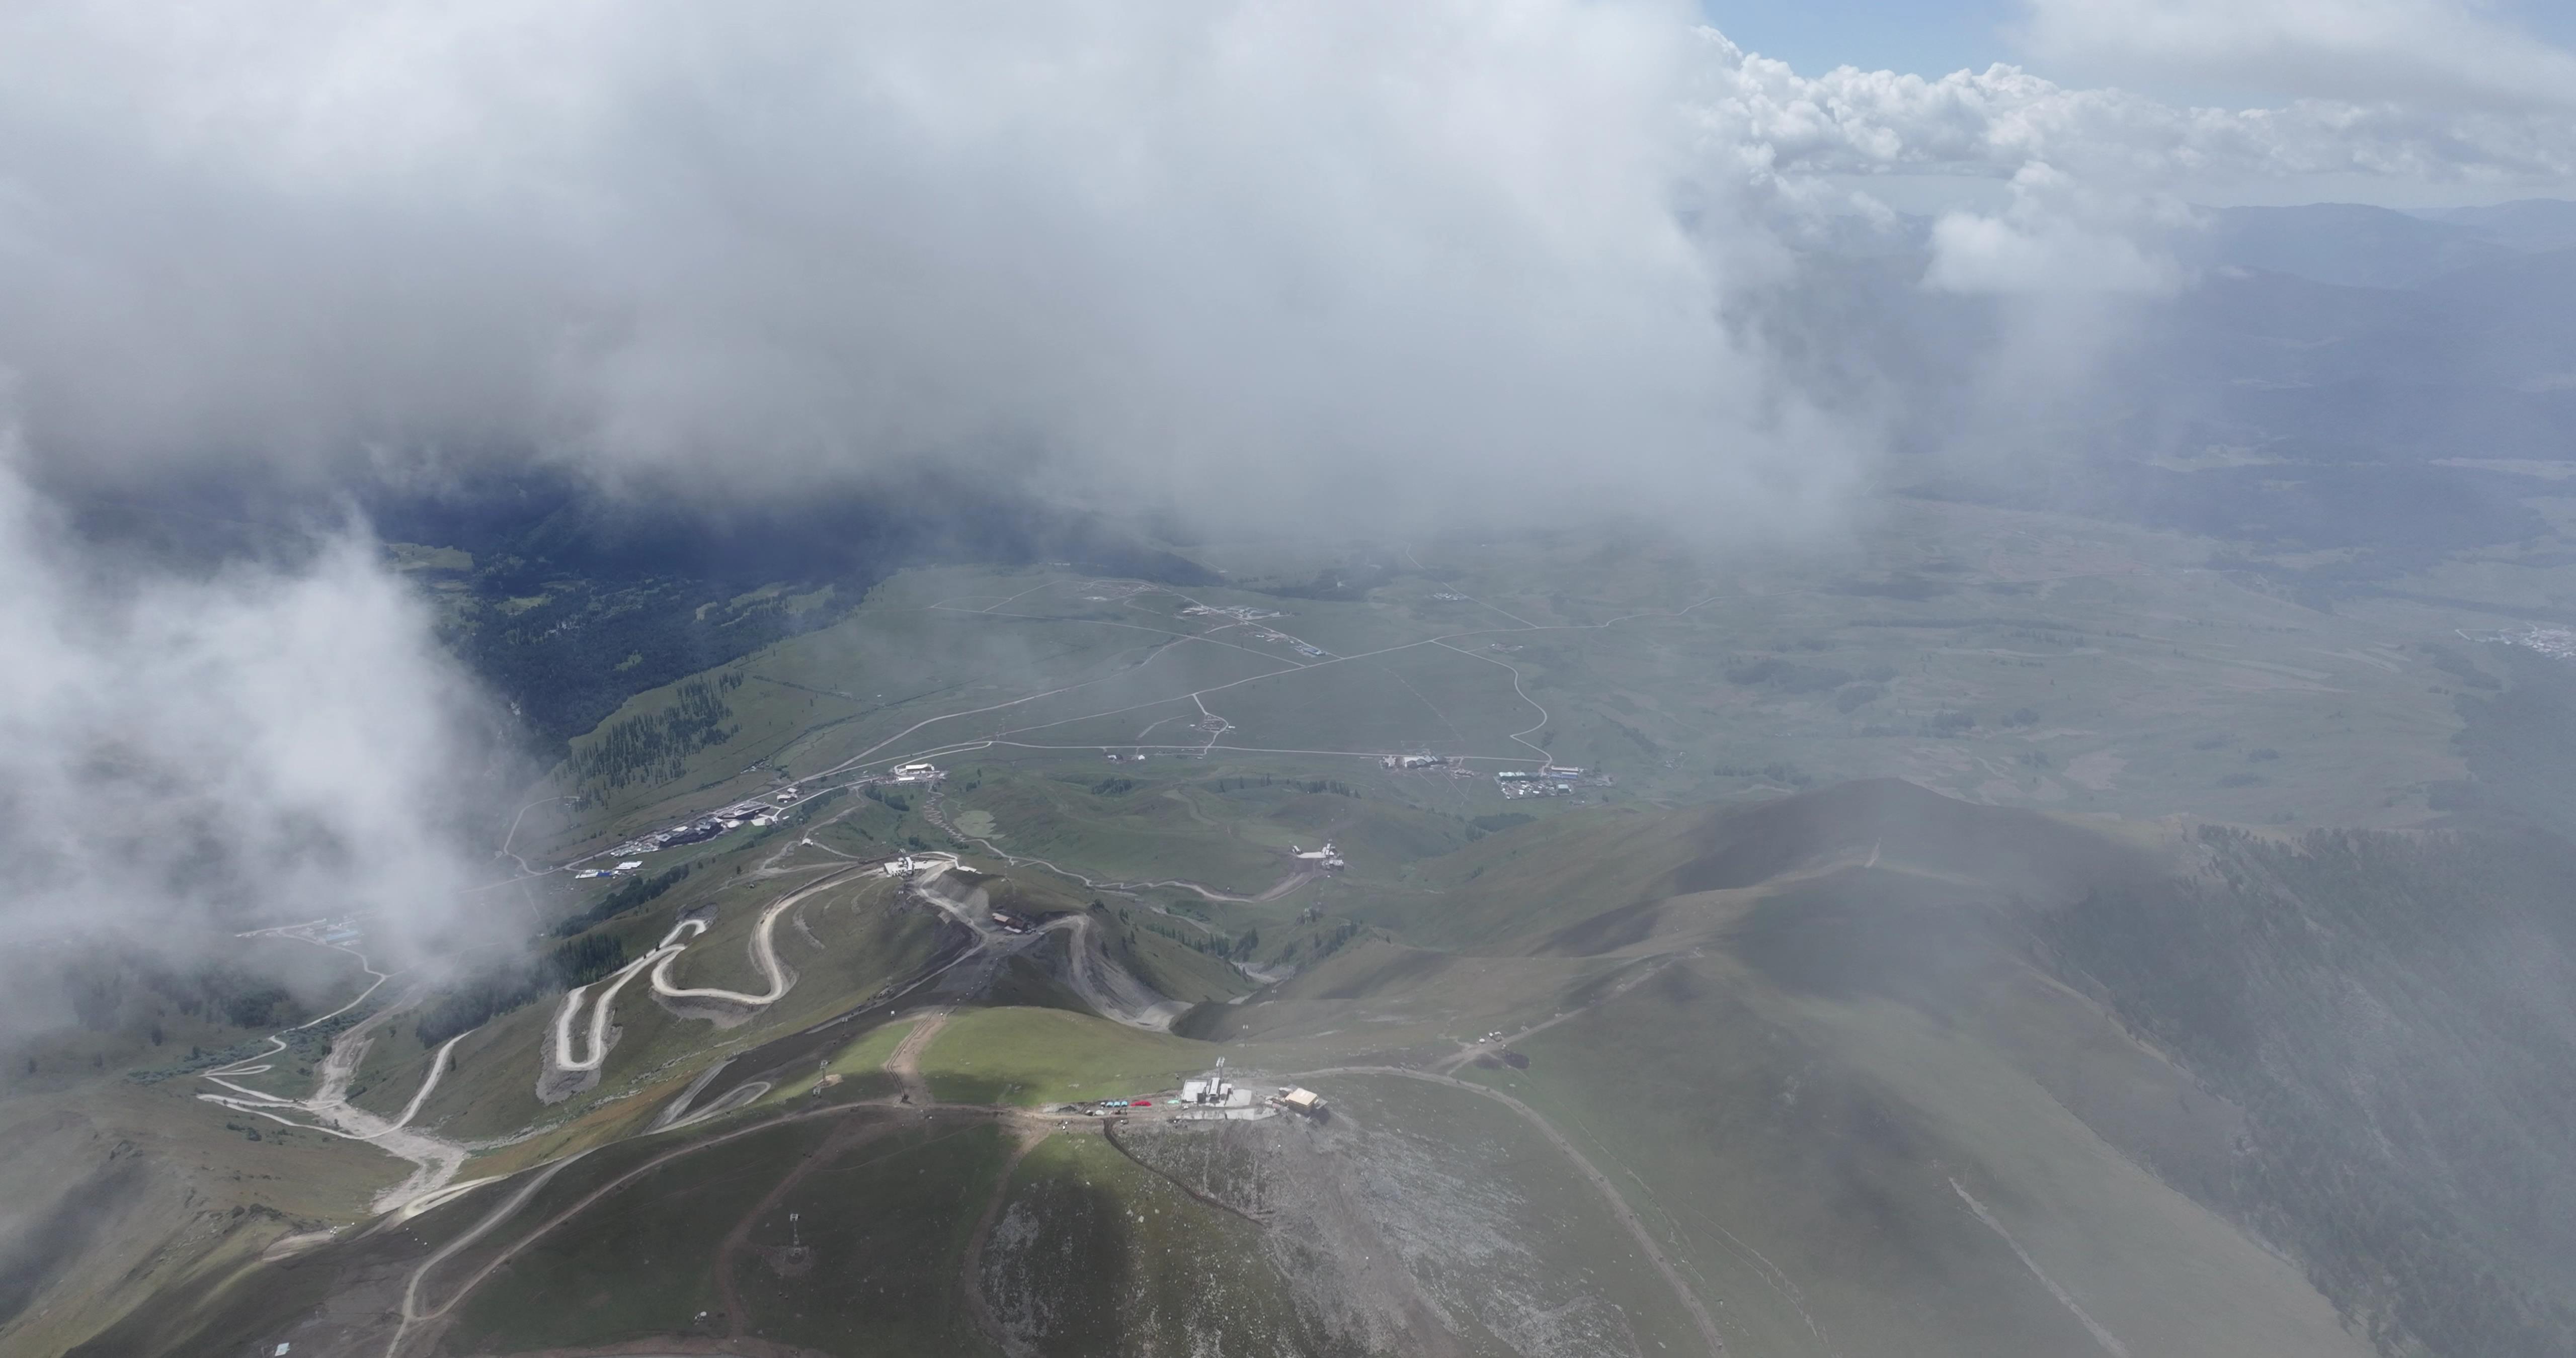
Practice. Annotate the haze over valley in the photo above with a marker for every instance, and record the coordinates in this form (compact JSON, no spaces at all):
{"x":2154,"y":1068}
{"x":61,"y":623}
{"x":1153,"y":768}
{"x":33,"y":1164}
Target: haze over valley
{"x":1471,"y":679}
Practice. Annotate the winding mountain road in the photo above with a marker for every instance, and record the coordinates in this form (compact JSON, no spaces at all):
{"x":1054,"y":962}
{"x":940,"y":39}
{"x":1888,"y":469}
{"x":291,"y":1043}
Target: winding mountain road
{"x":327,"y":1110}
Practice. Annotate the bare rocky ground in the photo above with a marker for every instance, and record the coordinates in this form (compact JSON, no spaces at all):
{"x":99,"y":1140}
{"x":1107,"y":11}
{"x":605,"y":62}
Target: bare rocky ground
{"x":1391,"y":1241}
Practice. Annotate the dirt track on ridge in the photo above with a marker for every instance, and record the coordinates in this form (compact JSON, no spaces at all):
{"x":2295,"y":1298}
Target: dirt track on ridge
{"x":1618,"y":1205}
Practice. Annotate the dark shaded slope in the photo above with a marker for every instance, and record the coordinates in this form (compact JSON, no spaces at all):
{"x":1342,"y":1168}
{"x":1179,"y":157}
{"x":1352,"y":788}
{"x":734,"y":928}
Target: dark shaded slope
{"x":2018,"y":851}
{"x":2357,"y":1044}
{"x":2398,"y":1016}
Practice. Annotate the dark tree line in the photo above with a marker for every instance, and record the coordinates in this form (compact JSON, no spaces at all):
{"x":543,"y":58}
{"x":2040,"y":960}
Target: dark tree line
{"x":625,"y":896}
{"x":654,"y":747}
{"x":475,"y":1003}
{"x":1314,"y":785}
{"x":105,"y":990}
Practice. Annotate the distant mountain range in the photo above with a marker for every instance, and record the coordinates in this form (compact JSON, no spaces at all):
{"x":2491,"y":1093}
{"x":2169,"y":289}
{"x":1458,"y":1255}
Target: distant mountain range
{"x":2332,"y":377}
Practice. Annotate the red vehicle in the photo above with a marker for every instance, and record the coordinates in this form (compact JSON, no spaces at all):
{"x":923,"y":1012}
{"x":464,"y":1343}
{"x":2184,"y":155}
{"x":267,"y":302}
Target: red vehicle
{"x":1142,"y":1103}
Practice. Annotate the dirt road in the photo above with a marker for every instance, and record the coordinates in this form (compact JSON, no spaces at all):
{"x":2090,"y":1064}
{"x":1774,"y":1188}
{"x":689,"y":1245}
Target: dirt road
{"x":904,"y":1063}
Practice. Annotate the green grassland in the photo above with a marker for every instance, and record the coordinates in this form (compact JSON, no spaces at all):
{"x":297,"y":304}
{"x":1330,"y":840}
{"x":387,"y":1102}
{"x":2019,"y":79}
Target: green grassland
{"x":1808,"y":1042}
{"x":841,"y":944}
{"x":645,"y":1260}
{"x":887,"y":1223}
{"x":1030,"y":1057}
{"x":170,"y":1194}
{"x":1803,"y":1062}
{"x":1804,"y":1158}
{"x":1823,"y":1044}
{"x":860,"y":1066}
{"x":2074,"y":666}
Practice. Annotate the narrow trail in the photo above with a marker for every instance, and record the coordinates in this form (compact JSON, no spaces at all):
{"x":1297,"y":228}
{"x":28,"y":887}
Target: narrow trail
{"x":1469,"y":1051}
{"x":936,"y":813}
{"x":414,"y":1313}
{"x":1600,"y":1182}
{"x":435,"y":1160}
{"x":410,"y":1312}
{"x":513,"y":836}
{"x":904,"y":1062}
{"x":1771,"y":1274}
{"x":1103,"y":984}
{"x":2109,"y":1342}
{"x":1516,"y":737}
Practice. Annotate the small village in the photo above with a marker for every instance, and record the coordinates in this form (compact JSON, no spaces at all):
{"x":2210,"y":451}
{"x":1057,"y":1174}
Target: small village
{"x":756,"y":812}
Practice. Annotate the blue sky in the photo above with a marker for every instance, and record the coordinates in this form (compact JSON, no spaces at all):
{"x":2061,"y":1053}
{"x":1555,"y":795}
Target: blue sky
{"x":1925,"y":37}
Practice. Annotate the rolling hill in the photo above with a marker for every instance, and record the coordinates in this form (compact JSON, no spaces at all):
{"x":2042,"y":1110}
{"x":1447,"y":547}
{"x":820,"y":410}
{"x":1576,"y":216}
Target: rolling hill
{"x":1865,"y":1070}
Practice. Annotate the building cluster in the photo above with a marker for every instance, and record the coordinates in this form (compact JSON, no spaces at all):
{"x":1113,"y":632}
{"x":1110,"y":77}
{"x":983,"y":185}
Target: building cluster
{"x":913,"y":865}
{"x":1418,"y":761}
{"x":1555,"y":780}
{"x":1211,"y":1098}
{"x":755,"y":812}
{"x":1238,"y":612}
{"x":1009,"y":923}
{"x":1327,"y":857}
{"x":923,"y":772}
{"x":2558,"y":643}
{"x":1213,"y":1090}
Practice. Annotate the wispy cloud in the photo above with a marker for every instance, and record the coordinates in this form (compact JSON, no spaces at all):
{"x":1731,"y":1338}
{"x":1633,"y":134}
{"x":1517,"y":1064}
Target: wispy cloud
{"x":269,"y":742}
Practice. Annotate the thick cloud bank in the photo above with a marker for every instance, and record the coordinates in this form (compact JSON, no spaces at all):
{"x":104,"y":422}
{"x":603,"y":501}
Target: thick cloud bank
{"x":269,"y":744}
{"x":1296,"y":256}
{"x":1466,"y":255}
{"x":2443,"y":51}
{"x":1347,"y":262}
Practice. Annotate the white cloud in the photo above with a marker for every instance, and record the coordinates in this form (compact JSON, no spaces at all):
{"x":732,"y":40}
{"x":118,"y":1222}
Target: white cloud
{"x":1454,"y":256}
{"x":1460,"y":254}
{"x":1995,"y":121}
{"x":264,"y":744}
{"x":2056,"y":238}
{"x":1341,"y":261}
{"x":2446,"y":52}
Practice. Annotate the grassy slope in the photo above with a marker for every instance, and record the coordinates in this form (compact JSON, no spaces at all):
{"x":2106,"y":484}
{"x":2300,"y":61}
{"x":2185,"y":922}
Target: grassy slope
{"x":164,"y":1193}
{"x":1093,"y":1255}
{"x":490,"y":1090}
{"x":1803,"y":1155}
{"x":641,"y":1262}
{"x":1818,"y":1051}
{"x":1507,"y":1236}
{"x":1036,"y":1056}
{"x":887,"y":1222}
